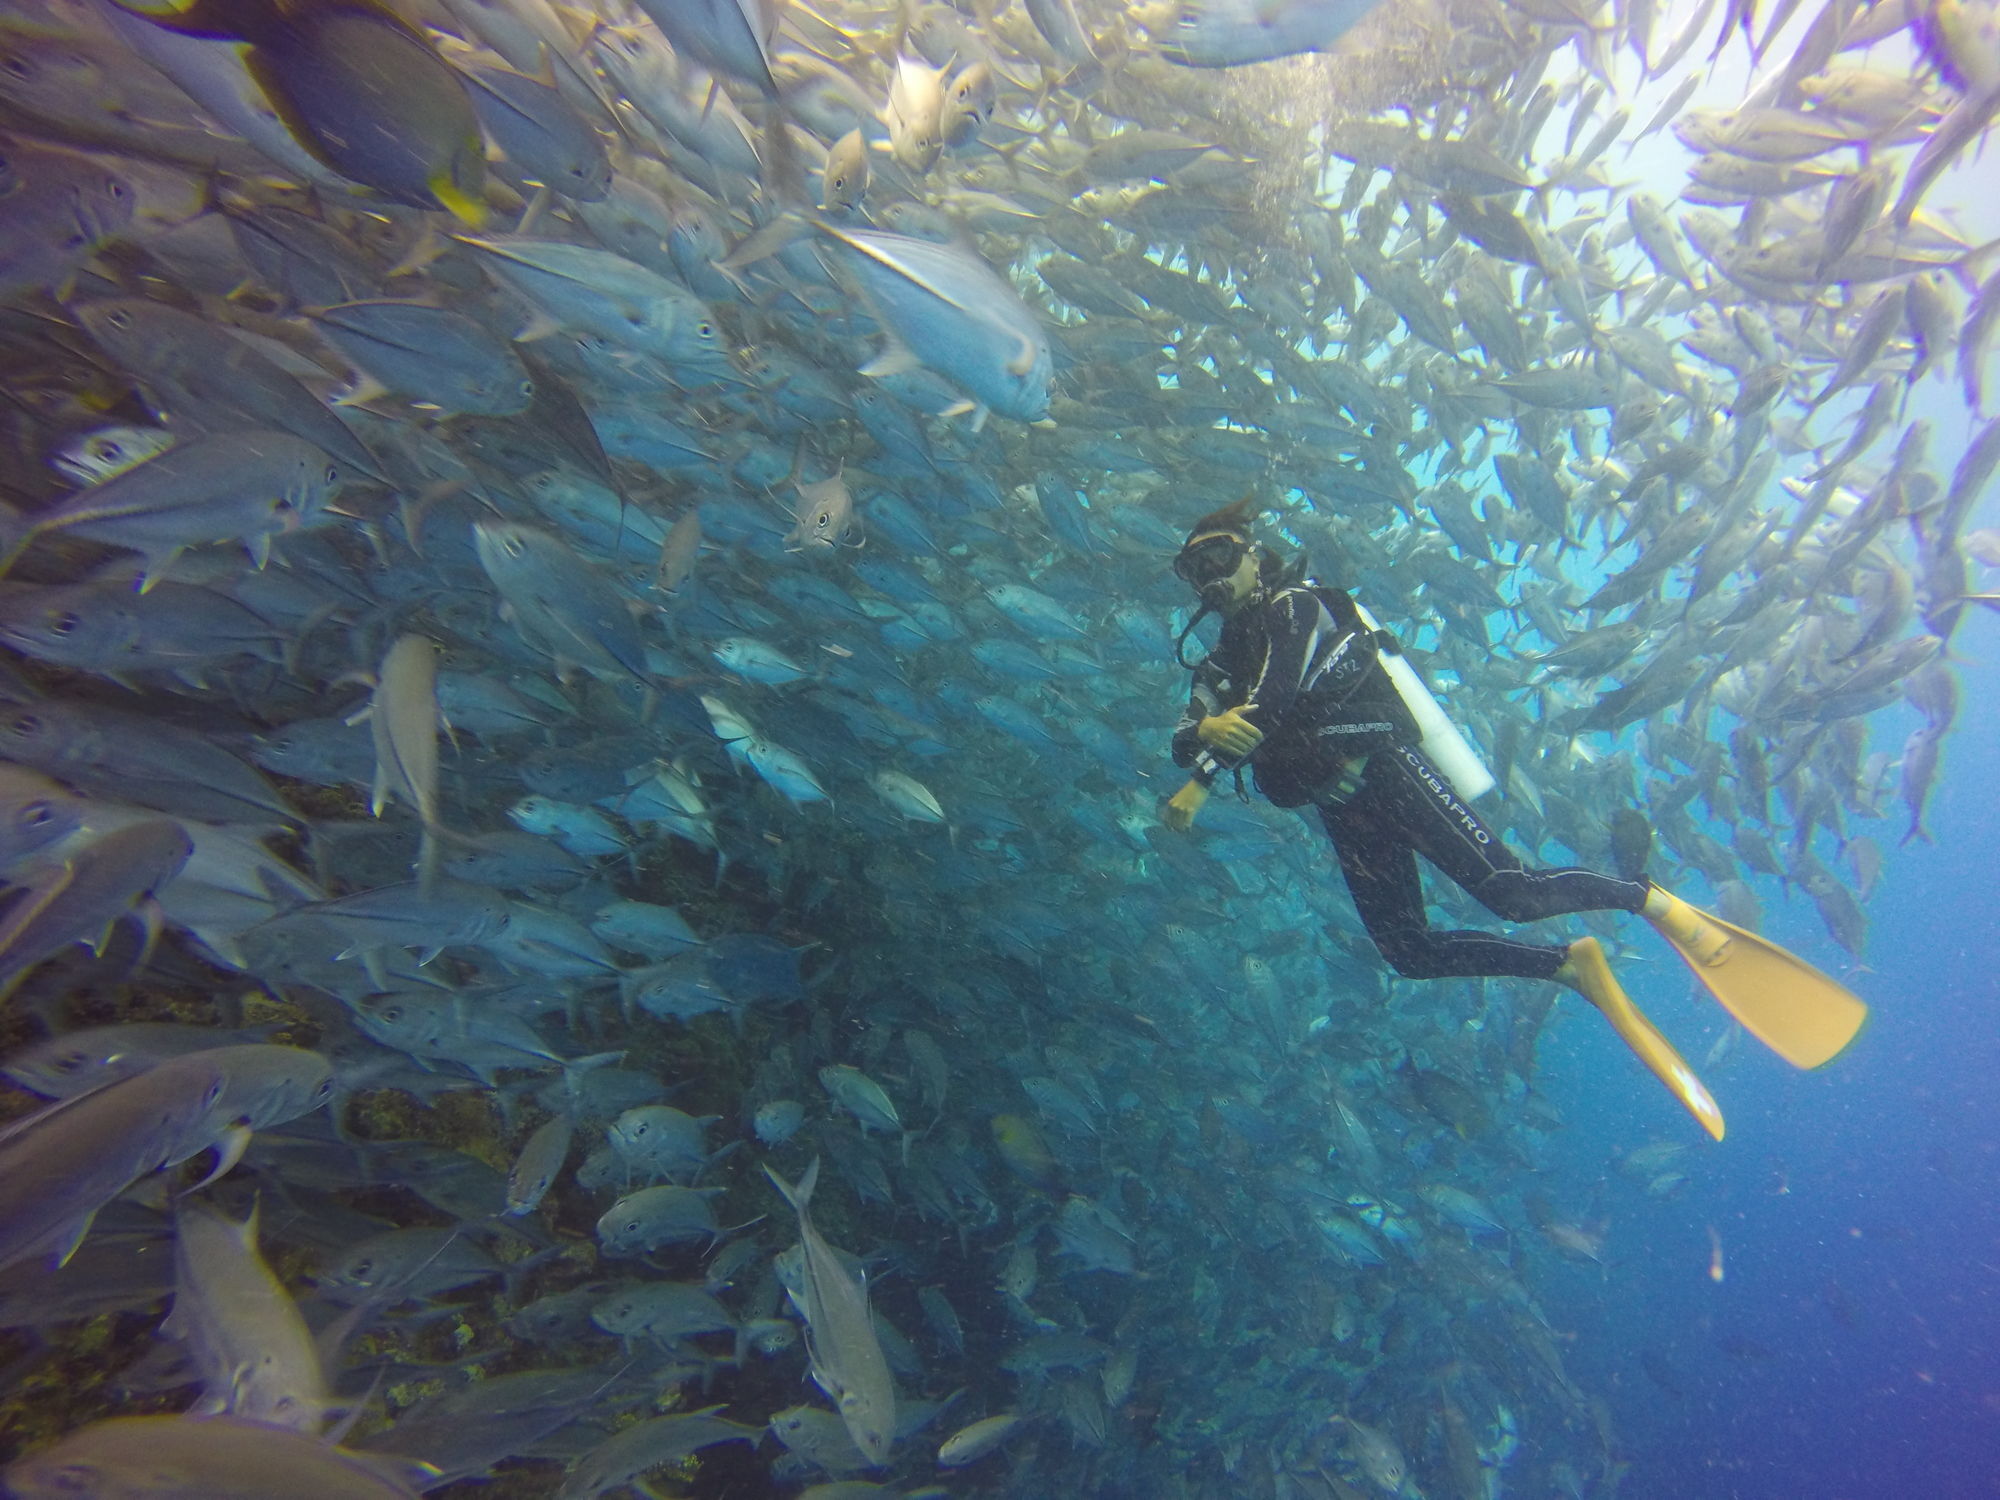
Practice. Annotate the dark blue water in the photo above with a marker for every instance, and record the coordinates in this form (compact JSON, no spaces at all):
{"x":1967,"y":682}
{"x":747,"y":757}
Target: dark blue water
{"x":1852,"y":1347}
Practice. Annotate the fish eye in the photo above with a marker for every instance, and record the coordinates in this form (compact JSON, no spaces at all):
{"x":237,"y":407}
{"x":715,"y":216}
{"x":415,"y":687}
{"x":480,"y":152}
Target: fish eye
{"x":361,"y":1270}
{"x":324,"y":1092}
{"x":27,"y":726}
{"x":391,"y":1013}
{"x":119,"y":318}
{"x":17,"y":66}
{"x":705,"y":330}
{"x":528,"y":389}
{"x":113,"y":188}
{"x":65,"y":623}
{"x":332,"y":473}
{"x":514,"y":546}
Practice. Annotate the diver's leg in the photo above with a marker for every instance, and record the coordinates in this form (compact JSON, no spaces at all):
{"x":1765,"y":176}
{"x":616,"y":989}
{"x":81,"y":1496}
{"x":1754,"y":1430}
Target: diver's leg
{"x":1380,"y":866}
{"x":1451,"y":836}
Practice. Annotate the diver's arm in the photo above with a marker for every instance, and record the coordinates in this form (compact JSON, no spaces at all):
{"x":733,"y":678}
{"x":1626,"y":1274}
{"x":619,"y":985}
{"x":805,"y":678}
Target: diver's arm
{"x":1296,"y":625}
{"x":1202,"y":701}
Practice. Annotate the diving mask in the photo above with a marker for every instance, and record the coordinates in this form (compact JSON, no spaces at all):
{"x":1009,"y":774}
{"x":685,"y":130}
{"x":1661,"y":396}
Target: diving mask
{"x":1207,"y":560}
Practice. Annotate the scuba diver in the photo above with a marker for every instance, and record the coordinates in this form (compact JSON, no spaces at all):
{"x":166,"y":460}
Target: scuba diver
{"x":1304,"y":689}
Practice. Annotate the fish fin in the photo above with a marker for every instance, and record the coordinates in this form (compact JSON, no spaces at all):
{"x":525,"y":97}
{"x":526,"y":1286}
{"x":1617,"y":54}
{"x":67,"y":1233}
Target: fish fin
{"x":455,"y":201}
{"x":959,"y":408}
{"x":787,"y":228}
{"x":428,"y":247}
{"x":896,"y":358}
{"x":537,"y":206}
{"x":798,"y":1195}
{"x":72,"y":1237}
{"x":540,"y":325}
{"x":366,"y":388}
{"x":229,"y":1149}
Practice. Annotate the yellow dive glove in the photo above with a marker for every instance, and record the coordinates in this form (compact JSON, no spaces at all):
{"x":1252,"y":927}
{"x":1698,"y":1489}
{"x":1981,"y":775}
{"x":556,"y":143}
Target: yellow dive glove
{"x":1183,"y":805}
{"x":1229,"y":732}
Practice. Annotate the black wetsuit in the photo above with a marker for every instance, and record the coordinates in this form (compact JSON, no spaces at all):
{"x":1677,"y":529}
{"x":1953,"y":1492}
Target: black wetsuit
{"x":1309,"y":664}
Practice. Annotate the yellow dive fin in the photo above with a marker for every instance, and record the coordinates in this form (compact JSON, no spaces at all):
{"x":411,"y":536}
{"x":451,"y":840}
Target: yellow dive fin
{"x":1589,"y":974}
{"x":1799,"y":1013}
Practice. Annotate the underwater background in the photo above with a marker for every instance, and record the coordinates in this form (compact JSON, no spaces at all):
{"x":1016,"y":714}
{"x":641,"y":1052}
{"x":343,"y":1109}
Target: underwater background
{"x":601,"y":655}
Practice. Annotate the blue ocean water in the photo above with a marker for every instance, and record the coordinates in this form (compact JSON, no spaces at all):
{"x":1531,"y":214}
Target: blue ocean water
{"x":1850,"y":1347}
{"x":1806,"y":1310}
{"x":1847,"y":1349}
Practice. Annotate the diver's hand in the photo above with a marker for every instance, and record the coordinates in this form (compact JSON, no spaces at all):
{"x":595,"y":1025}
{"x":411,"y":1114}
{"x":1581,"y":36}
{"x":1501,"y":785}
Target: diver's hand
{"x":1183,"y":805}
{"x":1230,"y":732}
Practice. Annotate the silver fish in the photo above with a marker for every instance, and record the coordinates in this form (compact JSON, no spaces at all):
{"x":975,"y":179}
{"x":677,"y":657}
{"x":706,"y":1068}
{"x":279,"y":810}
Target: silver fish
{"x":845,"y":1352}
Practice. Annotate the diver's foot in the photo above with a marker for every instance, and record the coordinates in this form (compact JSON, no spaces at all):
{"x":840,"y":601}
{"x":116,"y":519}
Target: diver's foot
{"x":1687,"y":927}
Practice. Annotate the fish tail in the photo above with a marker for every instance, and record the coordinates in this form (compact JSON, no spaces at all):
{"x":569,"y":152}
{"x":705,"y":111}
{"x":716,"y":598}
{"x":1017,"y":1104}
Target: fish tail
{"x":799,"y":1194}
{"x":15,"y":536}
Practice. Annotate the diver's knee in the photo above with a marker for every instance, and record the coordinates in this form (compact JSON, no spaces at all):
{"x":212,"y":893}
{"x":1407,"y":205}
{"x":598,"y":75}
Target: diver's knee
{"x":1406,"y":950}
{"x":1509,"y":895}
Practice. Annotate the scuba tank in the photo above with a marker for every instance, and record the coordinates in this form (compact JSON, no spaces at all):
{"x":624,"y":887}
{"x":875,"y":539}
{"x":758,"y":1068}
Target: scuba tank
{"x":1444,"y":744}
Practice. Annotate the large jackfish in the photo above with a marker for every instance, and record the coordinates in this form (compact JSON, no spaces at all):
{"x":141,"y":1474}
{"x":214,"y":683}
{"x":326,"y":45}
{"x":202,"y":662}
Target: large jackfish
{"x":846,"y":1355}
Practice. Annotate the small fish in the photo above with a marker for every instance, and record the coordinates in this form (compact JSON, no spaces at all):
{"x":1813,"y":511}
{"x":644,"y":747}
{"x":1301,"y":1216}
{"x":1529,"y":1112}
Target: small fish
{"x":778,"y":1121}
{"x":109,"y":452}
{"x":678,"y":551}
{"x":915,"y":114}
{"x":429,"y":354}
{"x":844,"y":1350}
{"x":62,"y":208}
{"x":1227,"y":33}
{"x":244,"y":1333}
{"x":543,"y":139}
{"x":234,"y":487}
{"x":844,"y":183}
{"x":908,"y":796}
{"x":949,"y":311}
{"x":784,"y":772}
{"x":657,"y":1216}
{"x":756,"y":661}
{"x":657,"y":1140}
{"x":358,"y":88}
{"x":861,"y":1096}
{"x":972,"y":1443}
{"x":733,"y":37}
{"x":403,"y":718}
{"x":539,"y":1164}
{"x":969,"y":101}
{"x":825,"y":516}
{"x":220,"y":1458}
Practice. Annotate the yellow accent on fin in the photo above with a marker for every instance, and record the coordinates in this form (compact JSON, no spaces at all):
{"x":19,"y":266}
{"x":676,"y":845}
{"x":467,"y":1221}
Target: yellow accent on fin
{"x":1589,"y":973}
{"x":467,"y":210}
{"x":1805,"y":1016}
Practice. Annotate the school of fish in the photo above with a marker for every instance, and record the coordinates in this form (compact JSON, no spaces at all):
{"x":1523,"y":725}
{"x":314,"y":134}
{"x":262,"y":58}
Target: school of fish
{"x":589,"y":648}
